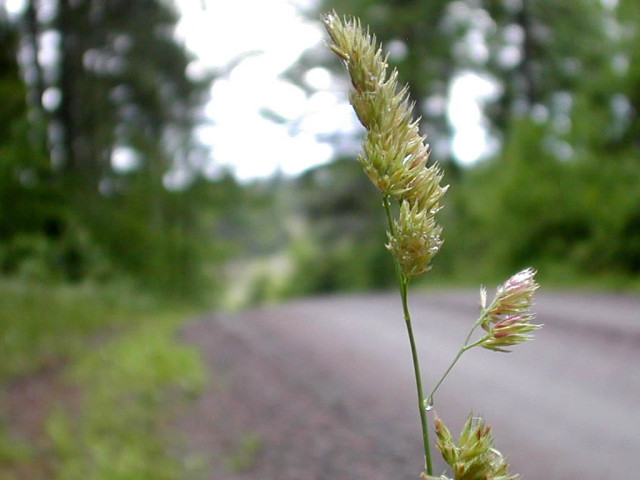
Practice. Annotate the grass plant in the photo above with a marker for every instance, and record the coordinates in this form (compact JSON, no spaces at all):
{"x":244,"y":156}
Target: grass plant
{"x":396,"y":159}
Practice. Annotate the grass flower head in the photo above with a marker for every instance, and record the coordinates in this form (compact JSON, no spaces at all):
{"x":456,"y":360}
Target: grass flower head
{"x":474,"y":456}
{"x":395,"y":154}
{"x":415,"y":241}
{"x":507,"y":320}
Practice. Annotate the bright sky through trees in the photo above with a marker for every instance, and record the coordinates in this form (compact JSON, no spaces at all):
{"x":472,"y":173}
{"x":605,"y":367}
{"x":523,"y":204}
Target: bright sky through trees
{"x":251,"y":42}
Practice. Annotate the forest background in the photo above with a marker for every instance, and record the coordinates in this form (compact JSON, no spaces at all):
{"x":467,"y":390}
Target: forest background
{"x":111,"y":221}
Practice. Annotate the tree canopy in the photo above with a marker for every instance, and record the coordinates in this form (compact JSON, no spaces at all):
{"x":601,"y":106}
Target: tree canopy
{"x":561,"y":189}
{"x":103,"y":152}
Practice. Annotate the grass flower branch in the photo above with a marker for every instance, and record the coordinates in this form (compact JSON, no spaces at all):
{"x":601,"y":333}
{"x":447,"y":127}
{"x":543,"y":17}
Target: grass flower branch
{"x":506,"y":321}
{"x":396,"y":160}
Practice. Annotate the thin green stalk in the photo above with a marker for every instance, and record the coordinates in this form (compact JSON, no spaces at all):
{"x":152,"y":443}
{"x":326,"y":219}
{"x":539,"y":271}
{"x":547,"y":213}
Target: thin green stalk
{"x":403,"y":284}
{"x":464,"y":348}
{"x":421,"y":405}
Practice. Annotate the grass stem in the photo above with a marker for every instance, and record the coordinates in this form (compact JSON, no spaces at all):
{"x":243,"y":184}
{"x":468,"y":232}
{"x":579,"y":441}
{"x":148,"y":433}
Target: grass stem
{"x":403,"y":285}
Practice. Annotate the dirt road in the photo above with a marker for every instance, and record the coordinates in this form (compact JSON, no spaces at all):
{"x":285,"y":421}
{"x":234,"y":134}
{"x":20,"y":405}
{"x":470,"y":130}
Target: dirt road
{"x":323,"y":388}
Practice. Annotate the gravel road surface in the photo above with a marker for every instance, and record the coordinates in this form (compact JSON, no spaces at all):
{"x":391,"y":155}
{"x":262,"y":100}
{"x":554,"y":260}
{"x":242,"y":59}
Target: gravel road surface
{"x":323,"y":388}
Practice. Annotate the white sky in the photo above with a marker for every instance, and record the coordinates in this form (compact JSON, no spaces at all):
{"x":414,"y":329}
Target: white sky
{"x":276,"y":35}
{"x":470,"y":140}
{"x":254,"y":146}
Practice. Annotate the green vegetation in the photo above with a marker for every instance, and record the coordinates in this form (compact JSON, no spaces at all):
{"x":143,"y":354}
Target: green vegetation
{"x":116,"y":373}
{"x":43,"y":326}
{"x":561,"y":189}
{"x":129,"y":386}
{"x":577,"y":220}
{"x":99,"y":184}
{"x":110,"y":184}
{"x":244,"y":457}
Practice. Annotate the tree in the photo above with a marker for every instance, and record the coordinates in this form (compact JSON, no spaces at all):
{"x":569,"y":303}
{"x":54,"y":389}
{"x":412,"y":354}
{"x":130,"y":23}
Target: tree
{"x":562,"y":184}
{"x":551,"y":58}
{"x":109,"y":82}
{"x":563,"y":189}
{"x":29,"y":208}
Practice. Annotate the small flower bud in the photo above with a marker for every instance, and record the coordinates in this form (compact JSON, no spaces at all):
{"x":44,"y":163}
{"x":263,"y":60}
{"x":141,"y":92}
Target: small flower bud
{"x":445,"y":442}
{"x":483,"y":298}
{"x":415,"y":240}
{"x":516,"y":294}
{"x":507,"y":320}
{"x":474,"y":457}
{"x":509,"y":331}
{"x":395,"y":154}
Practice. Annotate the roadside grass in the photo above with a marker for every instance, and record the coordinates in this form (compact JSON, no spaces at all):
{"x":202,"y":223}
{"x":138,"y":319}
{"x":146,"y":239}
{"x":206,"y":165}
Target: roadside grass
{"x":120,"y":354}
{"x":42,"y":325}
{"x":245,"y":455}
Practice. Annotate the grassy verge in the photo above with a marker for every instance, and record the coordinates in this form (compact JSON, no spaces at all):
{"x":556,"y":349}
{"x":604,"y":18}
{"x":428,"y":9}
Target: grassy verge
{"x":119,"y":355}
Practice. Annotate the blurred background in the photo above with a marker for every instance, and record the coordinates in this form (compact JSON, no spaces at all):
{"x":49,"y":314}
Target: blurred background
{"x":159,"y":158}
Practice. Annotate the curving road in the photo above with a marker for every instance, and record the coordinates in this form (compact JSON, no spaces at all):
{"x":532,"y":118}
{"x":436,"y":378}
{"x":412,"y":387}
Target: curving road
{"x":564,"y":407}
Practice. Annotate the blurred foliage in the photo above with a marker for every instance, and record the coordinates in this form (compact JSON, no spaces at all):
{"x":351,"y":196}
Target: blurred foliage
{"x":562,"y":191}
{"x":98,"y":260}
{"x":101,"y":176}
{"x":109,"y":368}
{"x":578,"y":216}
{"x":559,"y":192}
{"x":42,"y":326}
{"x":129,"y":385}
{"x":339,"y":242}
